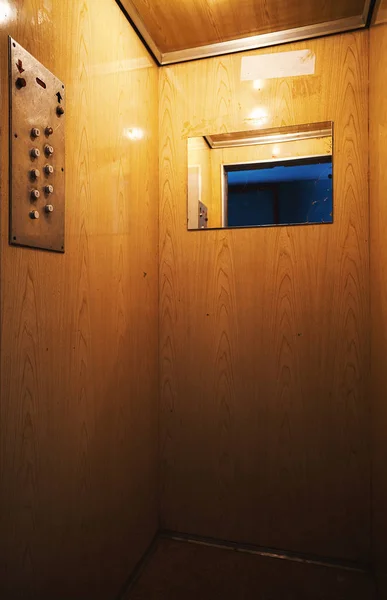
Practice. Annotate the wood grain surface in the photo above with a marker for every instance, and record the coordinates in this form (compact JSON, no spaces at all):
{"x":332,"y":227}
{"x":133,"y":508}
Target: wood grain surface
{"x":264,"y":334}
{"x":78,"y":501}
{"x":378,"y":185}
{"x":380,"y":12}
{"x":179,"y":25}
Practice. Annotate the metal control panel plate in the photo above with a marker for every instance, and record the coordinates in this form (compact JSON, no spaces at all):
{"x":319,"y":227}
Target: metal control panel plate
{"x":37,"y":153}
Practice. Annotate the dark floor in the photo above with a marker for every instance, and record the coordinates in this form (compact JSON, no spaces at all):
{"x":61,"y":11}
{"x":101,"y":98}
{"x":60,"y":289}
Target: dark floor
{"x":179,"y":570}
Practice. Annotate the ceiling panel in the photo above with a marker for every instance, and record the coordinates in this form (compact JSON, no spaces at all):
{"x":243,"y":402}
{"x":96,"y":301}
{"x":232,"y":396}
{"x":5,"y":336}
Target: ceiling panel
{"x":176,"y":26}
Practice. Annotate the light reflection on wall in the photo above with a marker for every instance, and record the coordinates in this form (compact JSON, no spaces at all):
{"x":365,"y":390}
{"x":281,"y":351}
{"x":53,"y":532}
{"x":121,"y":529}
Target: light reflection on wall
{"x":5,"y":11}
{"x":134,"y":133}
{"x":259,"y":116}
{"x":259,"y":84}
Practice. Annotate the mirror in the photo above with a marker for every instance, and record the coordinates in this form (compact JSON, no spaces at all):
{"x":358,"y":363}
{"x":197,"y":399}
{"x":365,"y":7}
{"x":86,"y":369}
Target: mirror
{"x":261,"y":178}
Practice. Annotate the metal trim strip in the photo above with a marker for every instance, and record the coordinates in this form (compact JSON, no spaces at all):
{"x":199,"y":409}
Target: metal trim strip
{"x":277,"y":160}
{"x":274,"y":138}
{"x":264,"y":40}
{"x":368,"y":8}
{"x":134,"y":17}
{"x":334,"y":563}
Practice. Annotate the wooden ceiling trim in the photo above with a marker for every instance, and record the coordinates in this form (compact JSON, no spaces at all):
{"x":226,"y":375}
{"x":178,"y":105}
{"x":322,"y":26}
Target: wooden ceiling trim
{"x":180,"y":24}
{"x":251,"y":42}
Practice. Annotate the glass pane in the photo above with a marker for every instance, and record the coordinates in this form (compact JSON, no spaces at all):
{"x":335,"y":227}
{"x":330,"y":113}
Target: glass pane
{"x":273,"y":177}
{"x":295,"y":192}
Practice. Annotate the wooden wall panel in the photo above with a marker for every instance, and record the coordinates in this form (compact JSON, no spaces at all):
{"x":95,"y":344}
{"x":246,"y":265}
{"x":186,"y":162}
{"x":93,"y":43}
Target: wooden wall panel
{"x":264,"y":333}
{"x":199,"y":22}
{"x":380,"y":12}
{"x":79,"y":365}
{"x":378,"y":186}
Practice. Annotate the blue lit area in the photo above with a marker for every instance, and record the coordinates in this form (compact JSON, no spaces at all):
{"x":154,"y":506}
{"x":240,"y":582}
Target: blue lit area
{"x":280,"y":193}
